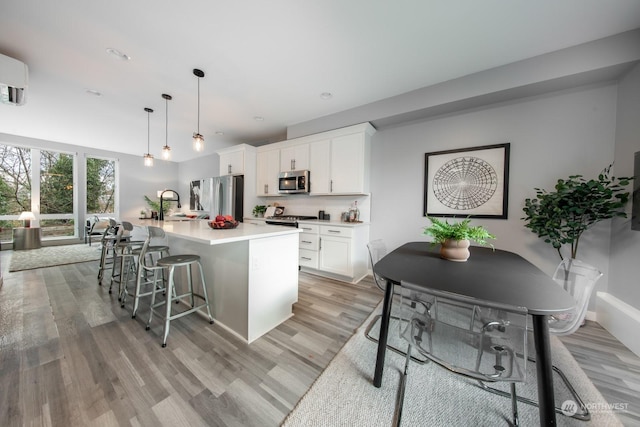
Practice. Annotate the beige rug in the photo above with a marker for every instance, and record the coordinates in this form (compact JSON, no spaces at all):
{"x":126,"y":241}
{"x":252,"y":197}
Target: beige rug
{"x":344,"y":395}
{"x":53,"y":255}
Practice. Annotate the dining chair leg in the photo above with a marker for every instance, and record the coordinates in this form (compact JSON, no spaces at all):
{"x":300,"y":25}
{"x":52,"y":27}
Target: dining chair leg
{"x":397,"y":419}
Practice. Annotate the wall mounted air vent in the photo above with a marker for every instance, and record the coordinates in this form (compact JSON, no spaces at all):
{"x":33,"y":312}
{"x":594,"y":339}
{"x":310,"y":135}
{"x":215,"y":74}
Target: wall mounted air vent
{"x":14,"y":76}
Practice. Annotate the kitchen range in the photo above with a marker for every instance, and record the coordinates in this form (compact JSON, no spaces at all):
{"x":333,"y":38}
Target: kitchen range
{"x":275,"y":216}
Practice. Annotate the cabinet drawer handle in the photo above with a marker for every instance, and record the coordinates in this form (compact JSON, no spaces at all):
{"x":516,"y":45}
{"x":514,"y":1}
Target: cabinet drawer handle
{"x":334,"y":231}
{"x":306,"y":228}
{"x":229,"y":168}
{"x":266,"y":189}
{"x":306,"y":241}
{"x":305,"y":258}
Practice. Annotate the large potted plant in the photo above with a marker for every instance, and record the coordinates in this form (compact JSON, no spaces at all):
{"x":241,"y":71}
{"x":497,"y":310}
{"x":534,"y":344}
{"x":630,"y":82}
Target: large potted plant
{"x":560,"y":217}
{"x":455,"y":238}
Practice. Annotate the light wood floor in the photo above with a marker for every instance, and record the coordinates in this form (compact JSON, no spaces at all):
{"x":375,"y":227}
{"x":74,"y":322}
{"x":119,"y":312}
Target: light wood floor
{"x":70,"y":356}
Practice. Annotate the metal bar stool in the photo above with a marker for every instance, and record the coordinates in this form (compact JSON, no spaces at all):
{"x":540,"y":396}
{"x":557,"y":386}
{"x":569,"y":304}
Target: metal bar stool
{"x":124,"y":263}
{"x":106,"y":244}
{"x":148,"y":272}
{"x":171,"y":263}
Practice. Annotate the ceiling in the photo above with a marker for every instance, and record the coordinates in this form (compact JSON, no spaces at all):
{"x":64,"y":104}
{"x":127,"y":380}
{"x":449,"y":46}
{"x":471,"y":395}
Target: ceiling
{"x":269,"y":59}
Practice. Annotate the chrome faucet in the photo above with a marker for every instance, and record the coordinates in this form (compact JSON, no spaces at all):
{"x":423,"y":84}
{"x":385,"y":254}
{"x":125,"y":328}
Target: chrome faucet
{"x":162,"y":199}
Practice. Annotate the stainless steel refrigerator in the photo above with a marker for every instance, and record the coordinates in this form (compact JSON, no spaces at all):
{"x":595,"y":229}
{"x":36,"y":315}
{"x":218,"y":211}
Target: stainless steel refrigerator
{"x":226,"y":196}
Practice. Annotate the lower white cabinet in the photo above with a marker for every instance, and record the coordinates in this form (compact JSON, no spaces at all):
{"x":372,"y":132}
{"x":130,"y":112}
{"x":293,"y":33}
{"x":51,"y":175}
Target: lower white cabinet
{"x":336,"y":251}
{"x":309,"y":245}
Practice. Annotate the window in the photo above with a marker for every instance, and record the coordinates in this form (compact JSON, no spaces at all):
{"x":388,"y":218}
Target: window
{"x":101,"y":186}
{"x":15,"y":187}
{"x":57,"y":198}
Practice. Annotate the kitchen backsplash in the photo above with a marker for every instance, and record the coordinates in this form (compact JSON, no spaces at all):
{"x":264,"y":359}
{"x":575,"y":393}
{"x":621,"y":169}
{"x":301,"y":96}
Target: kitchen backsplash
{"x":310,"y":205}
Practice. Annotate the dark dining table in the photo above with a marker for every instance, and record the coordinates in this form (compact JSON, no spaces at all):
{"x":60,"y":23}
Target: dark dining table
{"x":491,"y":275}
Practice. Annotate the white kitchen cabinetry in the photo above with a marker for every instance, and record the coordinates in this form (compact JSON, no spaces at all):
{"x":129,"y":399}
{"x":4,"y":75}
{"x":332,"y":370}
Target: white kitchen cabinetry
{"x":340,"y":164}
{"x":267,"y":170}
{"x":232,"y":161}
{"x":320,"y":167}
{"x":309,"y":245}
{"x":294,"y":158}
{"x":336,"y":251}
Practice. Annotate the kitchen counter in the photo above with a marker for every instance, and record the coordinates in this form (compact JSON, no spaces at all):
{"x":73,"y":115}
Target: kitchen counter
{"x":200,"y":232}
{"x":251,"y":271}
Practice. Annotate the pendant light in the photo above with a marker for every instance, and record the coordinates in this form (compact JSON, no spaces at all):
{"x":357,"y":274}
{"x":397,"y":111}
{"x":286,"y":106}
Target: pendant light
{"x":198,"y":140}
{"x":148,"y":157}
{"x":166,"y":150}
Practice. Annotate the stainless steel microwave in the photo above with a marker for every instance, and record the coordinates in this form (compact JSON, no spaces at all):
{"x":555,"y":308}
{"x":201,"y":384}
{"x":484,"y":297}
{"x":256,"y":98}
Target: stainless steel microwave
{"x":293,"y":182}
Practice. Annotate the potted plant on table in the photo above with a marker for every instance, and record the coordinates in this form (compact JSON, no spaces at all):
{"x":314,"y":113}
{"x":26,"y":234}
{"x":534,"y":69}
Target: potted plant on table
{"x":455,"y":238}
{"x":560,"y":217}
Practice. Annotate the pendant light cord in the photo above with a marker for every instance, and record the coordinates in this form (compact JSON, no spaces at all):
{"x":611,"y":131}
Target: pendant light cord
{"x":166,"y":122}
{"x":198,"y":105}
{"x":148,"y":130}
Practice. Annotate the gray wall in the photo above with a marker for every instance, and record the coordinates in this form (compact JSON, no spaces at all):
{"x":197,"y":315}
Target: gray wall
{"x":552,"y":136}
{"x":625,"y":243}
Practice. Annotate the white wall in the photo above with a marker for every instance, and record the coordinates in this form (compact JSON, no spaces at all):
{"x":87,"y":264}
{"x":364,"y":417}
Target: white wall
{"x":552,"y":136}
{"x":625,"y":243}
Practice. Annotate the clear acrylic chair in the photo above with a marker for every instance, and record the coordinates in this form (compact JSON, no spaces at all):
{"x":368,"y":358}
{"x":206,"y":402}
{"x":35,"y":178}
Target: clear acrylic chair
{"x":578,"y":279}
{"x":377,"y":250}
{"x":476,"y":339}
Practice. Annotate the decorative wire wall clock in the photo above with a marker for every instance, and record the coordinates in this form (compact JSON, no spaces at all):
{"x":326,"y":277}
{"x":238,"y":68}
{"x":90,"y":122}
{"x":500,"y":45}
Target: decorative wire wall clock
{"x":469,"y":182}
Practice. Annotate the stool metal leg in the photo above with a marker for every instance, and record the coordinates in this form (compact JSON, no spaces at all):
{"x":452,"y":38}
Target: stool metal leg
{"x":204,"y":292}
{"x":167,"y":319}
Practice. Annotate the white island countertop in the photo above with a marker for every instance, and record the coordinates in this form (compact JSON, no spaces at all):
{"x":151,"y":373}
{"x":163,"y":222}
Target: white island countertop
{"x":200,"y":232}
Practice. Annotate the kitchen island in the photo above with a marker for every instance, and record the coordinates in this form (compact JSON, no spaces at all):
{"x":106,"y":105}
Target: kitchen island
{"x":251,"y":271}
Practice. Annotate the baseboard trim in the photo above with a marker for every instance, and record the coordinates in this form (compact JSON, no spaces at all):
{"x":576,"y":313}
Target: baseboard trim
{"x":620,"y":319}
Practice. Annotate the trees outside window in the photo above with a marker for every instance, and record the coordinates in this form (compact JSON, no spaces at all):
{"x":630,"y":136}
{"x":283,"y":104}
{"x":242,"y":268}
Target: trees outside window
{"x":57,"y":210}
{"x":15,"y":187}
{"x":101,"y":185}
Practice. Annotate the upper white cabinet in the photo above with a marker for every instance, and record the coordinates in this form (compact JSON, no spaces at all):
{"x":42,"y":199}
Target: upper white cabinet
{"x":339,"y":164}
{"x":232,"y":160}
{"x":294,"y":158}
{"x":320,"y":166}
{"x":267,"y":170}
{"x":338,"y":161}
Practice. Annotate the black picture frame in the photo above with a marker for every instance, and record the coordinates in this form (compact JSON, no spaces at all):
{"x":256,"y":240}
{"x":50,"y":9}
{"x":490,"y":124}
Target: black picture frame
{"x":467,"y":182}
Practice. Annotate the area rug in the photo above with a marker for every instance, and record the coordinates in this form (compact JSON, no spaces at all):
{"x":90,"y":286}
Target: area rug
{"x":344,"y":394}
{"x":53,"y":255}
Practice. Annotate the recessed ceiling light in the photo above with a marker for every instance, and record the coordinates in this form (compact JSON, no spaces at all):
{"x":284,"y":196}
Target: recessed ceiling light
{"x":326,"y":95}
{"x":118,"y":54}
{"x":93,"y":92}
{"x":258,"y":118}
{"x":220,"y":133}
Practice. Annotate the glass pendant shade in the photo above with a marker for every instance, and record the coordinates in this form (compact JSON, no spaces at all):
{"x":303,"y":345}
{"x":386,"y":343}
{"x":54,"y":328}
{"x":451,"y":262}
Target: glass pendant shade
{"x":198,"y":139}
{"x":198,"y":142}
{"x":148,"y":157}
{"x":166,"y":152}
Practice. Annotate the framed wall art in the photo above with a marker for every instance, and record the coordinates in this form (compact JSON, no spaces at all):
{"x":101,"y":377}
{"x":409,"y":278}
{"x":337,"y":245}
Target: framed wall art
{"x":468,"y":182}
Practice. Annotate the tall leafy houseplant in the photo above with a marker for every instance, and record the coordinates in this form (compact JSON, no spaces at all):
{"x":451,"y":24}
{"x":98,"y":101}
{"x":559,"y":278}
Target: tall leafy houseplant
{"x":561,"y":216}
